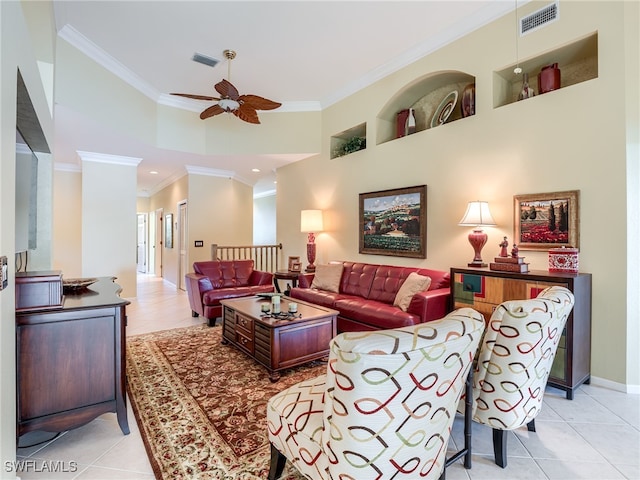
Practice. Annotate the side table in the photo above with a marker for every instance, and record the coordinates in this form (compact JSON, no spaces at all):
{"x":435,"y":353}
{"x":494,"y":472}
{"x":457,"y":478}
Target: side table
{"x":285,"y":275}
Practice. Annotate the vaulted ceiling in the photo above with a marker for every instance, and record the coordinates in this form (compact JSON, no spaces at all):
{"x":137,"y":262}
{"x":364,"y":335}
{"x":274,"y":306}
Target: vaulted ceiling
{"x":305,"y":54}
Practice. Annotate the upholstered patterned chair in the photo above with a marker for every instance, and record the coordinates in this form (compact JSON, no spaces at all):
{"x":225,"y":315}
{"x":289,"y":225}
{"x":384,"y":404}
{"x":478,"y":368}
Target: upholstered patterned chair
{"x":514,"y":362}
{"x":385,"y":407}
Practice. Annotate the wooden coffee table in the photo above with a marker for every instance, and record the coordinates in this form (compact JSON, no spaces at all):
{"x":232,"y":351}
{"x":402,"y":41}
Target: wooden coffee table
{"x":277,"y":343}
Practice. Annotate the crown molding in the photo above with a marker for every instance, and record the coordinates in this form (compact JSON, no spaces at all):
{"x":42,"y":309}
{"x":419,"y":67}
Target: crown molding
{"x":266,"y":193}
{"x":107,"y":158}
{"x":210,"y":172}
{"x":67,"y":167}
{"x":214,"y":172}
{"x":91,"y":50}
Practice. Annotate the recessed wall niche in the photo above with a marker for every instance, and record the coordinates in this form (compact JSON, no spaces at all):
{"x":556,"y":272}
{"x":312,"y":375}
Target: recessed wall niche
{"x":577,"y":61}
{"x":438,"y":95}
{"x":349,"y":141}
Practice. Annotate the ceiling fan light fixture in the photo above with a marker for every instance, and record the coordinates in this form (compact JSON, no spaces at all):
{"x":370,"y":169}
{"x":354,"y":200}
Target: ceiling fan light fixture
{"x":245,"y":107}
{"x":228,"y":104}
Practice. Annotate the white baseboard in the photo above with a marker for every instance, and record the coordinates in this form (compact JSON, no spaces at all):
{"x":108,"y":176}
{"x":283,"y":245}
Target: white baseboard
{"x":618,"y":387}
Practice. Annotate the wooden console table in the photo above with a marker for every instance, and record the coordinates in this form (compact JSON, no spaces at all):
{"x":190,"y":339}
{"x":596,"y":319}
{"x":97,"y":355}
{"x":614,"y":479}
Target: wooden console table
{"x":483,"y":290}
{"x":275,"y":343}
{"x":70,"y":361}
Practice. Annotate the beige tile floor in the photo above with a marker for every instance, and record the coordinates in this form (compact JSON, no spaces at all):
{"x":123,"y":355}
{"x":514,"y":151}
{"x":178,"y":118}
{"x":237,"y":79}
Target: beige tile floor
{"x":596,"y":436}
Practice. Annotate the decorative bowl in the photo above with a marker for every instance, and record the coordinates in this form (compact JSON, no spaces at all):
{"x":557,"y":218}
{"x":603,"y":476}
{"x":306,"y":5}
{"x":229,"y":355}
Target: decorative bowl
{"x":77,"y":284}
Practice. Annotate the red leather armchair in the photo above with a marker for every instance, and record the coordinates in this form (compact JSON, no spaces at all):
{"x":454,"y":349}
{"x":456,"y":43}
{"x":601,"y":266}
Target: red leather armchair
{"x":212,"y":281}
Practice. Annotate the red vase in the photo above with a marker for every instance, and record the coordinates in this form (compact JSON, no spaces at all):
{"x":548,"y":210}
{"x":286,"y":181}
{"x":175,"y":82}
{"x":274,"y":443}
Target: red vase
{"x":549,"y":78}
{"x":468,"y":102}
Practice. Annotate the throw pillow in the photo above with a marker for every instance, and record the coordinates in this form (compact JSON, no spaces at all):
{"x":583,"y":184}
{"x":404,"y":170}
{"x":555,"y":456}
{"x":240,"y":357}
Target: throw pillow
{"x":413,"y":284}
{"x":327,"y":277}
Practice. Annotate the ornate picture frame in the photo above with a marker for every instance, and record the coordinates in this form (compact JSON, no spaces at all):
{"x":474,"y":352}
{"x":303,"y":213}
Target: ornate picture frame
{"x":546,"y":220}
{"x":294,"y":264}
{"x":394,"y":222}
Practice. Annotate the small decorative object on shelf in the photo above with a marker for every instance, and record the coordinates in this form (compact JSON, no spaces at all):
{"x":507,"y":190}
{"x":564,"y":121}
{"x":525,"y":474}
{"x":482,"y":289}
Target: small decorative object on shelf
{"x":549,"y":78}
{"x":411,"y":122}
{"x":468,"y":102}
{"x":294,"y":264}
{"x":527,"y":91}
{"x":406,"y":122}
{"x":563,"y":260}
{"x":504,"y":263}
{"x":504,"y":244}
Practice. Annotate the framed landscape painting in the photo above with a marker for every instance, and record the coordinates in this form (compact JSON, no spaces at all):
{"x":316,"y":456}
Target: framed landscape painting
{"x":394,"y":222}
{"x":546,"y":220}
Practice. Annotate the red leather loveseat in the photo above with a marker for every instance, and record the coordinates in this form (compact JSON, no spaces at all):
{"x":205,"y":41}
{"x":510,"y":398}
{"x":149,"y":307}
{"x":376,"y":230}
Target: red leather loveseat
{"x":212,"y":281}
{"x":366,"y":294}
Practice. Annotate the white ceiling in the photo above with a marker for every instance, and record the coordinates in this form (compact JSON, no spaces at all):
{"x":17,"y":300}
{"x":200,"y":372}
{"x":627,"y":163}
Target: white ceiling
{"x":306,"y":55}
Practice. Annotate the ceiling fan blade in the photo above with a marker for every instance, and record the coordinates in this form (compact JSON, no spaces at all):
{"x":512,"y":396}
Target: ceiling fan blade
{"x":211,"y":111}
{"x":259,"y":103}
{"x":227,"y":90}
{"x":247,"y":113}
{"x":195,"y":97}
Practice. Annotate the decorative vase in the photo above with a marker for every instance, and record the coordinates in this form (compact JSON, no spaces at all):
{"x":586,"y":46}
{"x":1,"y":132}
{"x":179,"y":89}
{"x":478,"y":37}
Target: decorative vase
{"x":411,"y":122}
{"x":549,"y":78}
{"x":527,"y":91}
{"x":468,"y":102}
{"x":401,"y":123}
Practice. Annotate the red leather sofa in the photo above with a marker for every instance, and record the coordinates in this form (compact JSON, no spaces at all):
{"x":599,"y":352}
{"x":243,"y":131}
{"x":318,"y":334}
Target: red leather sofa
{"x":212,"y":281}
{"x":367,"y":292}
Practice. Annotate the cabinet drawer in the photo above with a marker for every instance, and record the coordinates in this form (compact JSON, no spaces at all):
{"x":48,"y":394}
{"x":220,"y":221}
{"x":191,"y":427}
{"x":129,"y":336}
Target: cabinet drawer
{"x":244,"y":325}
{"x":244,"y":341}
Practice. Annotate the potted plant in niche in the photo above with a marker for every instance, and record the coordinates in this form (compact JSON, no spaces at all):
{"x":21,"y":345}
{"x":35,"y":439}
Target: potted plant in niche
{"x":350,"y":145}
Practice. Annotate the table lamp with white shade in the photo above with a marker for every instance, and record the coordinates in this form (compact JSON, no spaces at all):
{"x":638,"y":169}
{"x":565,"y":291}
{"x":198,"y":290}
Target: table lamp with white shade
{"x":311,"y":223}
{"x":477,"y":216}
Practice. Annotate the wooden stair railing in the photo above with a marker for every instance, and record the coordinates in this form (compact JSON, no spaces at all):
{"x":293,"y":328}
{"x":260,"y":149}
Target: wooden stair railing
{"x":265,"y":257}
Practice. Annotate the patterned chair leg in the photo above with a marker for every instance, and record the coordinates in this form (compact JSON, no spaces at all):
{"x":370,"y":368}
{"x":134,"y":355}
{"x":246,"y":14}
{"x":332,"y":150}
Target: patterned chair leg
{"x":277,"y":463}
{"x":500,"y":447}
{"x":531,"y":426}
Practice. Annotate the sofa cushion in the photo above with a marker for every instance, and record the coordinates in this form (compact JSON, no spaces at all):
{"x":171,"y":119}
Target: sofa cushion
{"x":224,"y":274}
{"x":413,"y":284}
{"x":213,"y":297}
{"x":387,"y":282}
{"x":378,"y":314}
{"x":327,"y":277}
{"x":317,"y":297}
{"x":357,"y":278}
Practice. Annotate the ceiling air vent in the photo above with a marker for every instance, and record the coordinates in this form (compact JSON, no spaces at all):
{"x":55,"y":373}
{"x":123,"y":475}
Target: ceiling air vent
{"x":539,"y":19}
{"x":205,"y":60}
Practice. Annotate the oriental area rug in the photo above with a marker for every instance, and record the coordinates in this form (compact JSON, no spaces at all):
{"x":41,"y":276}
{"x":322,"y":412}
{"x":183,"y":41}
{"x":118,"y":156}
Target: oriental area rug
{"x":201,"y":405}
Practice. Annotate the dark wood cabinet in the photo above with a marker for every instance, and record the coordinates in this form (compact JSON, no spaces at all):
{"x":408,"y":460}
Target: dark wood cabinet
{"x":71,"y":361}
{"x":484,"y":289}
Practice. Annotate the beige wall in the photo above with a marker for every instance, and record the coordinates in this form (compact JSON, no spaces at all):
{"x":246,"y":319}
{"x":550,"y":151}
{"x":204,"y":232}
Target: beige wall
{"x":109,"y":228}
{"x":16,"y":51}
{"x":553,"y":142}
{"x":67,"y":221}
{"x":219,"y":210}
{"x":265,"y":221}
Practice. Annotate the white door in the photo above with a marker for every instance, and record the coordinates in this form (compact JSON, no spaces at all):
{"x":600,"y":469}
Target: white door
{"x":183,"y":268}
{"x":141,"y":252}
{"x":157,"y":244}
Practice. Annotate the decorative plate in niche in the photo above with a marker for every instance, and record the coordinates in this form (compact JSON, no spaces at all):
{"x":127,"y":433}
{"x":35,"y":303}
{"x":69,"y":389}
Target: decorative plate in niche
{"x":444,"y":110}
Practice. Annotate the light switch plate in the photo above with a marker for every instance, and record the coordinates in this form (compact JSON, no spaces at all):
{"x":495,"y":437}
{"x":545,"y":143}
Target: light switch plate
{"x":4,"y":273}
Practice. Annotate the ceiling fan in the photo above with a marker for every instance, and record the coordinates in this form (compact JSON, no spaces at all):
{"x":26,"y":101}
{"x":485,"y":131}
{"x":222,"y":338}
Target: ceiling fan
{"x":244,"y":107}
